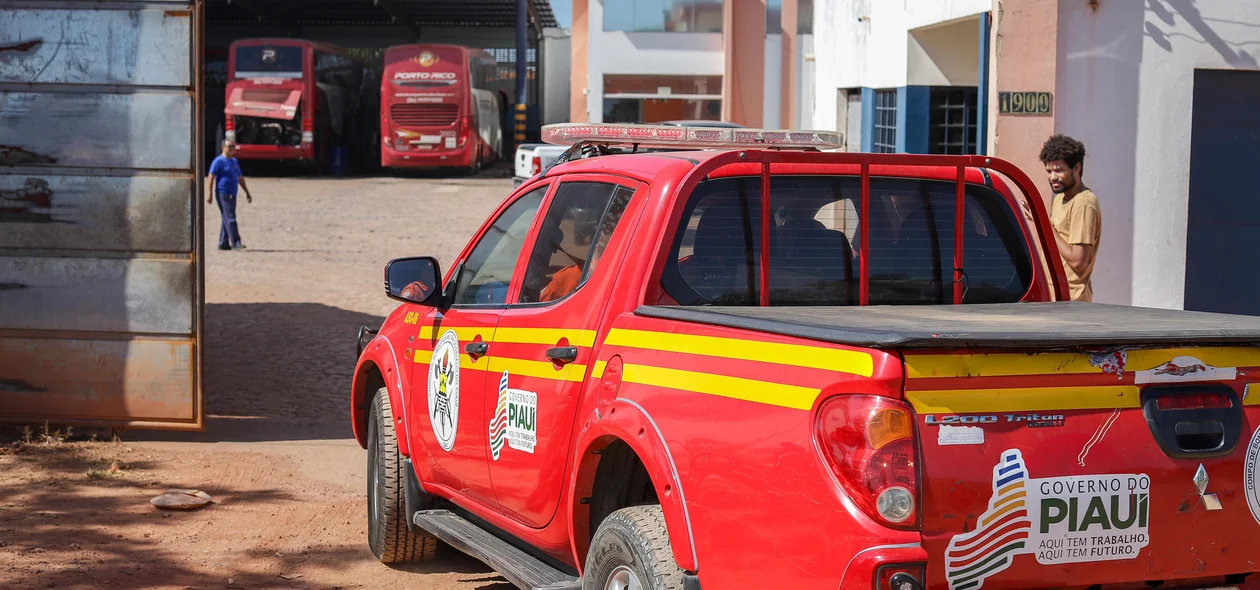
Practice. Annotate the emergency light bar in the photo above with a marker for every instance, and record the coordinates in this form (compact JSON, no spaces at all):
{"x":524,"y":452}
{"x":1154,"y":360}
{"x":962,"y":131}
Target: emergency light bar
{"x":675,"y":137}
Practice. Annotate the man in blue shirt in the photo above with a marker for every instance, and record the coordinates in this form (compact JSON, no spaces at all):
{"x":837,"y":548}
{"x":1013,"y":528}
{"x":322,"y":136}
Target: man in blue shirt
{"x":225,"y":175}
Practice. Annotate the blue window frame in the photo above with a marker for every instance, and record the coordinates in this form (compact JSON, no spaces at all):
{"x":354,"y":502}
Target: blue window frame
{"x":885,"y":136}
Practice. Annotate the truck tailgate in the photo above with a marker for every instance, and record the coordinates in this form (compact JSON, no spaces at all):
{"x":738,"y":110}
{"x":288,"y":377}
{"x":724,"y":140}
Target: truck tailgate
{"x":1065,"y":444}
{"x":1070,"y":469}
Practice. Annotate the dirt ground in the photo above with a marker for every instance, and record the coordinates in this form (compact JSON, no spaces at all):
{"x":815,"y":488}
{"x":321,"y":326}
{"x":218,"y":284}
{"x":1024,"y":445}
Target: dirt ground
{"x":277,"y":455}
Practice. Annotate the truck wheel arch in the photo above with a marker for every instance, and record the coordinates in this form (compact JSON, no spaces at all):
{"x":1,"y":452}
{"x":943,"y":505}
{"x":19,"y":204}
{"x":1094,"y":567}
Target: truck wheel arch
{"x":624,"y":424}
{"x":378,"y":369}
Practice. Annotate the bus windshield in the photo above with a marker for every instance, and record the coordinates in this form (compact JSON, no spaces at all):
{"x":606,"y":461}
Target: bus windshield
{"x":273,"y":61}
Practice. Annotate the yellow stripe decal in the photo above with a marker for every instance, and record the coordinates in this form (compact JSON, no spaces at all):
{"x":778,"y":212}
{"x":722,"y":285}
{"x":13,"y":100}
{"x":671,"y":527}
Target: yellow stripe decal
{"x":1145,"y":360}
{"x":845,"y":361}
{"x":548,"y":336}
{"x":996,"y":365}
{"x":598,"y":371}
{"x":524,"y":368}
{"x":539,"y":369}
{"x":763,"y":392}
{"x":920,"y":366}
{"x":427,"y":333}
{"x":972,"y":401}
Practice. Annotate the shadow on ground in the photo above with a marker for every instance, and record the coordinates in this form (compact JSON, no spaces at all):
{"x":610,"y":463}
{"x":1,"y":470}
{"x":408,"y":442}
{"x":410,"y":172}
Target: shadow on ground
{"x":276,"y":371}
{"x":60,"y":527}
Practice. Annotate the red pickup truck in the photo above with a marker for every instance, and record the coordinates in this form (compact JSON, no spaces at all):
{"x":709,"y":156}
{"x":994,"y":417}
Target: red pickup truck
{"x":725,"y":358}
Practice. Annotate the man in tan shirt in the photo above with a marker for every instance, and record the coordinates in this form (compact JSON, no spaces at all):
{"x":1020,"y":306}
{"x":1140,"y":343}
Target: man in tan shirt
{"x":1075,"y":213}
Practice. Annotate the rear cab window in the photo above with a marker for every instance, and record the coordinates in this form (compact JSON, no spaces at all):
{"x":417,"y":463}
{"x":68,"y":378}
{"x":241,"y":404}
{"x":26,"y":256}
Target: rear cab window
{"x":815,"y":243}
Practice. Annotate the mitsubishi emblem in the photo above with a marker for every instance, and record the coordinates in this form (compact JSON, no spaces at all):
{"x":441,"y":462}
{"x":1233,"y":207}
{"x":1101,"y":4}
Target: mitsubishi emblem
{"x":1209,"y":501}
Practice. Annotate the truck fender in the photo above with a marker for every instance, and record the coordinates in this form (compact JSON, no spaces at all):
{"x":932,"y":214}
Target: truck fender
{"x":380,"y":360}
{"x":627,"y":421}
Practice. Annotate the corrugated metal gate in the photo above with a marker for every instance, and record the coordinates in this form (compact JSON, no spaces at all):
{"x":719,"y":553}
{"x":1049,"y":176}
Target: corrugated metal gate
{"x":100,"y":209}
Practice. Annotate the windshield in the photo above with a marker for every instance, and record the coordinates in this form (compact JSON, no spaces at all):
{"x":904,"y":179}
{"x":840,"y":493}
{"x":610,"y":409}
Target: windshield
{"x":269,"y":61}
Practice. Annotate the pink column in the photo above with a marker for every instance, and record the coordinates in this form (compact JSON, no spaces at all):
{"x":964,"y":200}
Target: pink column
{"x":1023,"y":59}
{"x":578,"y":49}
{"x":787,"y":95}
{"x":744,"y":42}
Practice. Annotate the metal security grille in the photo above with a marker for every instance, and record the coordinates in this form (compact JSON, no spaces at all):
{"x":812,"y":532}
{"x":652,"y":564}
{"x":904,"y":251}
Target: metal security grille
{"x":264,"y":95}
{"x":885,"y":122}
{"x":424,"y":115}
{"x":505,"y":63}
{"x":953,"y":121}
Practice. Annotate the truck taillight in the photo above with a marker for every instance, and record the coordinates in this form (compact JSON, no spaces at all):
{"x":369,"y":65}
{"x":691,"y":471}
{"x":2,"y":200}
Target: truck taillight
{"x":230,"y":124}
{"x":869,"y":444}
{"x":1194,"y":401}
{"x":535,"y":166}
{"x":308,"y":130}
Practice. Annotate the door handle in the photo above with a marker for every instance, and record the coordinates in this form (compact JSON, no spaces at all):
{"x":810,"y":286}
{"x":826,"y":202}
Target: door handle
{"x":476,"y":348}
{"x":562,"y":354}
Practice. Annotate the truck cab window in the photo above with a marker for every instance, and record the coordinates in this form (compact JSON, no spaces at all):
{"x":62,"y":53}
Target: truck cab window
{"x":487,"y":272}
{"x":815,"y":243}
{"x":574,"y":234}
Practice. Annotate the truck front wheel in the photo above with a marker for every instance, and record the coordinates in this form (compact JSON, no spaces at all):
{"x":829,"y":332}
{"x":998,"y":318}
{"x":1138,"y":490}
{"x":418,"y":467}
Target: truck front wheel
{"x":631,"y":551}
{"x":389,"y":537}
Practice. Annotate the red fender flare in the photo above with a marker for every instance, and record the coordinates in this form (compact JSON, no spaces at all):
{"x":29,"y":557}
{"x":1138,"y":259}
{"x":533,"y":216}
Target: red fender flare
{"x":380,"y":354}
{"x":629,"y":422}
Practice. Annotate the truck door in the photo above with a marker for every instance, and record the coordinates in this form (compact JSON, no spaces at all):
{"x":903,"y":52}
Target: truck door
{"x":543,"y":343}
{"x":449,"y":373}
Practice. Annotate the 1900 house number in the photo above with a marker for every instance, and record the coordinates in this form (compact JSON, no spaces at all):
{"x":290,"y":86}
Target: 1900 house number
{"x":1025,"y":103}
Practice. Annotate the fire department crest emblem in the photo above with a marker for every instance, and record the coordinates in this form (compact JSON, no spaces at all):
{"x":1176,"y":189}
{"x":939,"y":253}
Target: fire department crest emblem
{"x":444,"y":389}
{"x":426,"y":58}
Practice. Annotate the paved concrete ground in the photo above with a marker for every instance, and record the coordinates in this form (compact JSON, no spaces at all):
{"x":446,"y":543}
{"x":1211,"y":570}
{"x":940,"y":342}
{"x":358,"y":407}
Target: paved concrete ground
{"x":281,"y":320}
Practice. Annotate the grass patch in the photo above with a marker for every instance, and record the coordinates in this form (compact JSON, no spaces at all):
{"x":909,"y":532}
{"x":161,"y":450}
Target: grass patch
{"x":106,"y":469}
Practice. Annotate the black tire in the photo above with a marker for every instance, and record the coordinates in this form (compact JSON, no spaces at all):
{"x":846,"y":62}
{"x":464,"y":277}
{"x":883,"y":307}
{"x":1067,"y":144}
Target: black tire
{"x":634,"y":541}
{"x":389,"y":537}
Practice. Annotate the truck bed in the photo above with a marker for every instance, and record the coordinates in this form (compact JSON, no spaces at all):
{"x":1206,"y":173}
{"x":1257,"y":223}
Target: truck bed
{"x":1007,"y":325}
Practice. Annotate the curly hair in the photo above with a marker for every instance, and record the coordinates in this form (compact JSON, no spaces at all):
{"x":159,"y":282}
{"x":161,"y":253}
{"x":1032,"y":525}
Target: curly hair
{"x":1062,"y":147}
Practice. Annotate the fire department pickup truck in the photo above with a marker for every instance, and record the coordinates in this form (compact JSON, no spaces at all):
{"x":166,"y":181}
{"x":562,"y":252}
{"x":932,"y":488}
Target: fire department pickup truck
{"x":724,"y":358}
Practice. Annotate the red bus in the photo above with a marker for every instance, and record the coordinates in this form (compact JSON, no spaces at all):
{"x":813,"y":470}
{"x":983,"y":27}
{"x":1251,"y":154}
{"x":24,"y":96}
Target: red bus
{"x":440,"y":108}
{"x":289,"y":99}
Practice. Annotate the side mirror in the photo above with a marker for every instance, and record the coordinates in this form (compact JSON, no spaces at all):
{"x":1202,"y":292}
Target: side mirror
{"x":414,"y":280}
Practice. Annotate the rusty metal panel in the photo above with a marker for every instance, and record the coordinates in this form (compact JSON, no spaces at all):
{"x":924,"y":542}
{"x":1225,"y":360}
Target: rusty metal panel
{"x":101,"y":285}
{"x":138,"y":295}
{"x":118,"y":213}
{"x":144,"y":46}
{"x":96,"y":380}
{"x":130,"y":130}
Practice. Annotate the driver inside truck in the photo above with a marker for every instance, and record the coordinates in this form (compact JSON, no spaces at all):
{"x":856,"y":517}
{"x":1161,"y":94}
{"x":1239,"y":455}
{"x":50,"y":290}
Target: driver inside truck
{"x":567,"y":279}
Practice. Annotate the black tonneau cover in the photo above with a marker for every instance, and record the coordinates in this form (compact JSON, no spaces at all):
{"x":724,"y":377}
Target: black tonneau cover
{"x":1005,"y":325}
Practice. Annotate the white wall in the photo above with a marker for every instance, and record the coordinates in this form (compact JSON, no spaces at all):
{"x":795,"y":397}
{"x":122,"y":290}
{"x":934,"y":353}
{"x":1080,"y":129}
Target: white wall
{"x":659,"y":54}
{"x":944,"y":55}
{"x":864,"y":43}
{"x":772,"y":98}
{"x":805,"y":82}
{"x":555,"y":72}
{"x":1124,"y":87}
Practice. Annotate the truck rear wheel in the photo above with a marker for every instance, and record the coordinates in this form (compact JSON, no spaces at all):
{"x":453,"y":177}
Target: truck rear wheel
{"x":631,"y":551}
{"x":389,"y":537}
